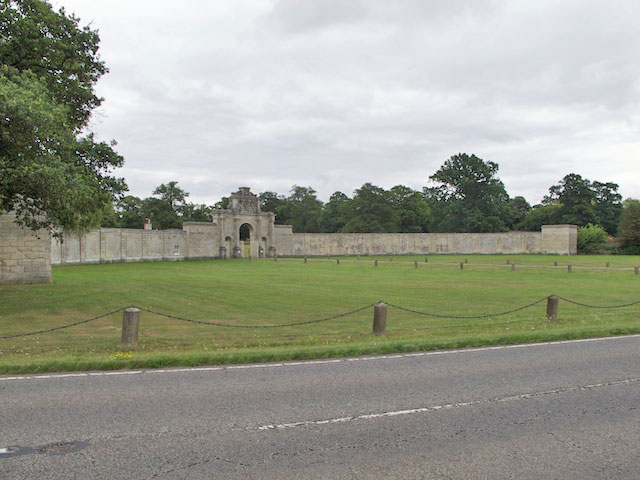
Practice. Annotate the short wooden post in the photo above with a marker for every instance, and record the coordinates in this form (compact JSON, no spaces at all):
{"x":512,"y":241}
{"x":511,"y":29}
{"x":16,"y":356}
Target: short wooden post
{"x":508,"y":261}
{"x":305,"y":259}
{"x":130,"y":323}
{"x":390,"y":259}
{"x":552,"y":308}
{"x":466,"y":260}
{"x":358,"y":258}
{"x":569,"y":268}
{"x":513,"y":267}
{"x":636,"y":270}
{"x":555,"y":264}
{"x":375,"y":263}
{"x":461,"y":266}
{"x":337,"y":261}
{"x":416,"y":263}
{"x":607,"y":265}
{"x":275,"y":257}
{"x":379,"y":318}
{"x":426,"y":259}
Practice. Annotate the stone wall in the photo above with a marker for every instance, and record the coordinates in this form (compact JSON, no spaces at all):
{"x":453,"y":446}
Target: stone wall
{"x":119,"y":245}
{"x":204,"y":240}
{"x":553,"y":239}
{"x":25,"y":257}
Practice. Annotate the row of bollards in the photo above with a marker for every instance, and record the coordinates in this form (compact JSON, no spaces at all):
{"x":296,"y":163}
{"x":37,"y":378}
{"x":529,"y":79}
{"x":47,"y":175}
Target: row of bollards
{"x":636,"y":269}
{"x":380,"y":314}
{"x":131,"y":320}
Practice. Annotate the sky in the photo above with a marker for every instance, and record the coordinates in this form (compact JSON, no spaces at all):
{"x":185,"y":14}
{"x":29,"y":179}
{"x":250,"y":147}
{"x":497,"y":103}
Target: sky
{"x":334,"y":93}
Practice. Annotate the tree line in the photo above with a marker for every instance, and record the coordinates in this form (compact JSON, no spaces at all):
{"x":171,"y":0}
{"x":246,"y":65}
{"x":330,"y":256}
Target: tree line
{"x":467,"y":196}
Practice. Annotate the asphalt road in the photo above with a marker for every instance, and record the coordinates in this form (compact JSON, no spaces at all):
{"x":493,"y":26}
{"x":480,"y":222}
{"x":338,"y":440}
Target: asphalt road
{"x":564,"y":410}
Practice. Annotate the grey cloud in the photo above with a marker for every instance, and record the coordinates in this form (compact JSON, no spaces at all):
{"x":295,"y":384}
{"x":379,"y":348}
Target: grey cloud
{"x":336,"y":93}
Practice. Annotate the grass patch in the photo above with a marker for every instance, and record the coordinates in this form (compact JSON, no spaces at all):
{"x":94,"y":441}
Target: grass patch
{"x":260,"y":292}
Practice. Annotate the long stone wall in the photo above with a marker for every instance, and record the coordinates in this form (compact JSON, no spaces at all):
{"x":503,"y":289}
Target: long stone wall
{"x":553,"y":239}
{"x":202,"y":240}
{"x":25,"y":257}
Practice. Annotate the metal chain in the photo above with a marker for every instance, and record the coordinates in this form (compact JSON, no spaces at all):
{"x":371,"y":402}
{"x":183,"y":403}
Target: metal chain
{"x":220,"y":324}
{"x":324,"y":319}
{"x":468,"y":316}
{"x":63,"y":326}
{"x":598,"y":306}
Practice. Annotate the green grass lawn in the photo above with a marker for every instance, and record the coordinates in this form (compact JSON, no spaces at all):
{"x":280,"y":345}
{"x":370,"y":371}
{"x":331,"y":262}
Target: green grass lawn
{"x":266,"y":292}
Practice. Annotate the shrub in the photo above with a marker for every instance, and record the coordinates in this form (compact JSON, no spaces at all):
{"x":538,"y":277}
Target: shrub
{"x":591,"y":239}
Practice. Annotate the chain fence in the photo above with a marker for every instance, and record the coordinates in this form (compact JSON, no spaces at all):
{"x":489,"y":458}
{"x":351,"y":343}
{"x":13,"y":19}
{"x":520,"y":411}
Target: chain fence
{"x":325,"y":319}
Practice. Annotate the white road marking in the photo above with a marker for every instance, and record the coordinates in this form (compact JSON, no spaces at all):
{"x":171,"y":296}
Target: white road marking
{"x":433,"y":408}
{"x":314,"y":362}
{"x":4,"y":450}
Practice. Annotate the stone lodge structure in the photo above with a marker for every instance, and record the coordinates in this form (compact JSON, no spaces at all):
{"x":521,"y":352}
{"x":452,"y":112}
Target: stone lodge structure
{"x":243,"y":230}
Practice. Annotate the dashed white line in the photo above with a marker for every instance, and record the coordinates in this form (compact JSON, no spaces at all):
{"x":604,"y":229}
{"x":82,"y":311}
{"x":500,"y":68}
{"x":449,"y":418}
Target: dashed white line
{"x":448,"y":406}
{"x":312,"y":362}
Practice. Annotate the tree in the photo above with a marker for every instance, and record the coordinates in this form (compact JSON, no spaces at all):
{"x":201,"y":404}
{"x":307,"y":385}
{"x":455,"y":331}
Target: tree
{"x":539,"y":215}
{"x":172,"y":195}
{"x":49,"y":173}
{"x":301,"y":209}
{"x":270,"y":201}
{"x":582,"y":202}
{"x":629,"y":228}
{"x":608,"y":205}
{"x":469,"y":198}
{"x":414,"y":214}
{"x":192,"y":212}
{"x":518,"y":210}
{"x":131,"y":212}
{"x":334,"y":213}
{"x":576,"y":199}
{"x":371,"y":211}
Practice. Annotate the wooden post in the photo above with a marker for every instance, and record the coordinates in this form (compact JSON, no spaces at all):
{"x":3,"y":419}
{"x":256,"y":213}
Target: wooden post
{"x":391,"y":259}
{"x":305,"y":259}
{"x":636,"y":270}
{"x":337,"y":261}
{"x":513,"y":267}
{"x":552,"y":308}
{"x":555,"y":264}
{"x":375,"y":263}
{"x":466,"y":260}
{"x":607,"y":265}
{"x":358,"y":258}
{"x":379,"y":318}
{"x":569,"y":268}
{"x":508,"y":261}
{"x":416,"y":263}
{"x":130,"y":323}
{"x":426,"y":259}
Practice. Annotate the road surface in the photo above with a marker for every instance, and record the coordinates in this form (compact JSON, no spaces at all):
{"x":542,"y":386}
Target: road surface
{"x":560,"y":410}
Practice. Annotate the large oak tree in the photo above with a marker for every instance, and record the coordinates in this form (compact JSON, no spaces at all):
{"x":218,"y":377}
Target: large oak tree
{"x":53,"y":171}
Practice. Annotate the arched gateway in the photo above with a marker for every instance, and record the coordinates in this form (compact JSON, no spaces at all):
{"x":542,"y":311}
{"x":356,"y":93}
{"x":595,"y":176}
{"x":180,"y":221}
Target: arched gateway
{"x":241,"y":222}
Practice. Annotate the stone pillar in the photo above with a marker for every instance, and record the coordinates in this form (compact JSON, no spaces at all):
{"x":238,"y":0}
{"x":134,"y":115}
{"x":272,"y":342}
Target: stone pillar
{"x":25,"y":257}
{"x":559,"y":239}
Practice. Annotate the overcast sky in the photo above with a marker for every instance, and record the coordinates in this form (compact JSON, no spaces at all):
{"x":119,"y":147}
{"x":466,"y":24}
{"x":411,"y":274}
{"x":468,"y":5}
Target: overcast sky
{"x":335,"y":93}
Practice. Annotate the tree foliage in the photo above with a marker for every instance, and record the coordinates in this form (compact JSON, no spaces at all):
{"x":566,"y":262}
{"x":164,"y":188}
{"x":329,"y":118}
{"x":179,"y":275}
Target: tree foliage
{"x":50,"y":174}
{"x":469,"y":198}
{"x":581,"y":202}
{"x":301,"y":209}
{"x":591,"y":238}
{"x":629,"y":228}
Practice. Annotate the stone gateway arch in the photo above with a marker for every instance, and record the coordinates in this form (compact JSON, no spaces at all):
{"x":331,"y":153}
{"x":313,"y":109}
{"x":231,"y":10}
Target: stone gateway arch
{"x":244,"y":210}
